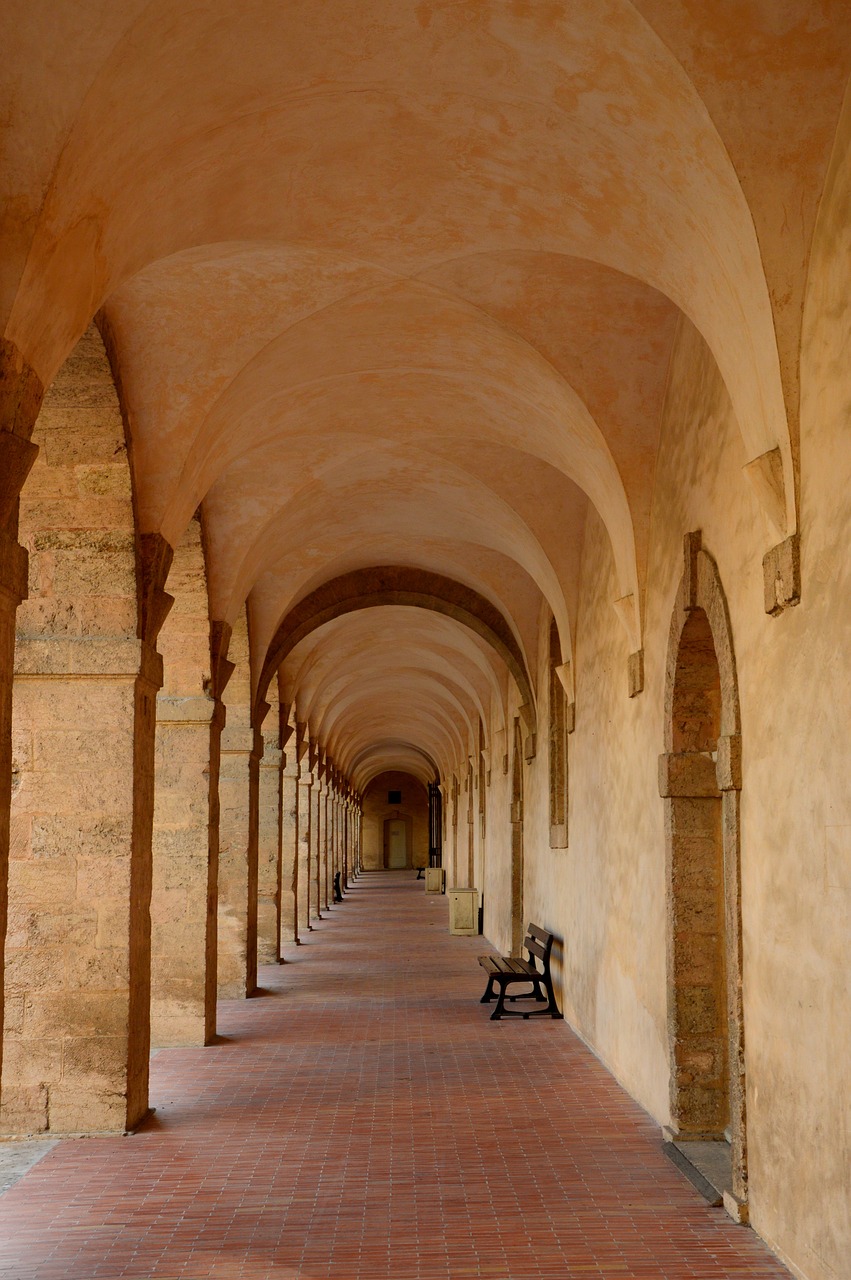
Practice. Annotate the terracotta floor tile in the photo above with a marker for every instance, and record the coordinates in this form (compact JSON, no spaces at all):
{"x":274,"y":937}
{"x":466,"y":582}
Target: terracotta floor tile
{"x":365,"y":1119}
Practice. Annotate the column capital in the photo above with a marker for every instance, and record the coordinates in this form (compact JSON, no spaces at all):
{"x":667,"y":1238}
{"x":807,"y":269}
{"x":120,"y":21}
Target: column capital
{"x":13,"y":571}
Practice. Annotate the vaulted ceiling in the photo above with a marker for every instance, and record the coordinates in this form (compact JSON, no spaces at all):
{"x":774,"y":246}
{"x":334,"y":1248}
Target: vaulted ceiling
{"x":396,"y":284}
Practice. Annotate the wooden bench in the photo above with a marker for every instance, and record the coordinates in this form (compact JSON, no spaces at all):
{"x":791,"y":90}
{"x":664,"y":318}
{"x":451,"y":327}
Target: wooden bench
{"x":504,"y":971}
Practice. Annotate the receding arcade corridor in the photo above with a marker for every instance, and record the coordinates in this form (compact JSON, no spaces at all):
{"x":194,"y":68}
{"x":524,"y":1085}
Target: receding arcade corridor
{"x":363,"y":1117}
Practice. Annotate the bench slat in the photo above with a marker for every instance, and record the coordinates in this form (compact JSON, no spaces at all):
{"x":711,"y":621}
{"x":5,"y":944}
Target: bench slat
{"x":535,"y":949}
{"x":507,"y":964}
{"x":541,"y":935}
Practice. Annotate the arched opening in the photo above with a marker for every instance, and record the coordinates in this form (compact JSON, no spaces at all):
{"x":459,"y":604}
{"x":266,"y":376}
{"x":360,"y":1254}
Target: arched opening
{"x":700,"y":780}
{"x":701,"y":1054}
{"x":395,"y":822}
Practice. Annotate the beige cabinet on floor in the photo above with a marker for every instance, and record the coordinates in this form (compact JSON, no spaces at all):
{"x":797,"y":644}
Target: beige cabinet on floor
{"x":435,"y":879}
{"x":464,"y":911}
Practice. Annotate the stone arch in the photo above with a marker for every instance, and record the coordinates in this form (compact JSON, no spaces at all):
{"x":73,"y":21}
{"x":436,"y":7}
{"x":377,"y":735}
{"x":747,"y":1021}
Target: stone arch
{"x":86,"y":676}
{"x":700,"y":780}
{"x":399,"y":585}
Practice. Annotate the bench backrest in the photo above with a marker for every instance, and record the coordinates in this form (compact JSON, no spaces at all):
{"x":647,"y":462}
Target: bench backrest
{"x":538,"y":943}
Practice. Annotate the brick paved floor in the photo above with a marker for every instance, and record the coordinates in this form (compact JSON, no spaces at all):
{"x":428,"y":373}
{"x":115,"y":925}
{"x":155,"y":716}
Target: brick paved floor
{"x":364,"y":1119}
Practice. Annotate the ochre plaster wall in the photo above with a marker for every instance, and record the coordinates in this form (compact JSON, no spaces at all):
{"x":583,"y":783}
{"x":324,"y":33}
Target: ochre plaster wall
{"x":376,"y":810}
{"x":605,"y":895}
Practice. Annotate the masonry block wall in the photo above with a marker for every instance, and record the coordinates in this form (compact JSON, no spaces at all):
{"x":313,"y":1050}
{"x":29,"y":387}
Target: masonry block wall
{"x":76,"y":1048}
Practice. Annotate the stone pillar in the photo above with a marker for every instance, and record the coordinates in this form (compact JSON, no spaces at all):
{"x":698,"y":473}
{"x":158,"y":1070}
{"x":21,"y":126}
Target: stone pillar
{"x":78,"y":950}
{"x":238,"y":798}
{"x":289,"y":850}
{"x":185,"y":858}
{"x":315,"y":859}
{"x":190,"y":717}
{"x":269,"y":853}
{"x":13,"y":584}
{"x":335,"y":819}
{"x":324,"y":838}
{"x":20,"y":397}
{"x":305,"y":780}
{"x":87,"y":673}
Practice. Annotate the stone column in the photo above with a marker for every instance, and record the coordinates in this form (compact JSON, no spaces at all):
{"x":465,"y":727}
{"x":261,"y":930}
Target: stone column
{"x":269,"y":853}
{"x":238,"y":797}
{"x":315,"y":858}
{"x":13,"y":586}
{"x":305,"y":780}
{"x":78,"y":950}
{"x":183,"y":904}
{"x":347,"y":835}
{"x":289,"y":850}
{"x":20,"y":396}
{"x":324,"y":837}
{"x":335,"y":819}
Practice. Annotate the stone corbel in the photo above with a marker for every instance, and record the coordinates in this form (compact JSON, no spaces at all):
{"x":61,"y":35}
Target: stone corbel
{"x":627,"y":612}
{"x":635,"y":673}
{"x":17,"y":456}
{"x":21,"y":390}
{"x":781,"y":572}
{"x":154,"y":561}
{"x":781,"y":566}
{"x":14,"y":568}
{"x":565,"y":675}
{"x":301,"y":742}
{"x":530,"y":743}
{"x":221,"y":669}
{"x":260,"y":712}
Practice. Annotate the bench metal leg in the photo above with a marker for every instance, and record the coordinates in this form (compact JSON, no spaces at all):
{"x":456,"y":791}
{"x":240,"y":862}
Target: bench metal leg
{"x":543,"y":994}
{"x":500,"y":1004}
